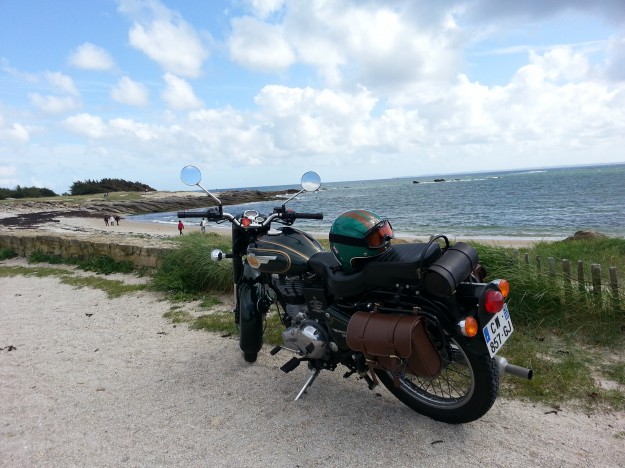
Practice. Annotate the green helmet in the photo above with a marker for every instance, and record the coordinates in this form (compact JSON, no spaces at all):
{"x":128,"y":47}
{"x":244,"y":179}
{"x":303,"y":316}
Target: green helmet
{"x":358,"y":235}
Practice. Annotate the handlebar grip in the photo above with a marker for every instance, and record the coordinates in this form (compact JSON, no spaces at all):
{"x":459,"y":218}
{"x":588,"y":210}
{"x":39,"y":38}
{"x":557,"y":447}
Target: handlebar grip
{"x":208,"y":214}
{"x":309,"y":215}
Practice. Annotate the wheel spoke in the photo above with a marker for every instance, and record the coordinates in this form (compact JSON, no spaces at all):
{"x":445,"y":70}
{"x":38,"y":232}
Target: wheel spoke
{"x":453,"y":385}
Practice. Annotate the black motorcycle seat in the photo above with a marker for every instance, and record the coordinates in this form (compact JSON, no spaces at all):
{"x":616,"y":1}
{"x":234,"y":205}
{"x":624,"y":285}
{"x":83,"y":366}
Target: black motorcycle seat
{"x":399,"y":265}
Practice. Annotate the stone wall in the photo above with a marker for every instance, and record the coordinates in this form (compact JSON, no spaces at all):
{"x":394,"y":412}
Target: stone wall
{"x":142,"y":256}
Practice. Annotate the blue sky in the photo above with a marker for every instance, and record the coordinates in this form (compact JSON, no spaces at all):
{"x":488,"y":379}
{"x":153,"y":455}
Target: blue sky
{"x":256,"y":92}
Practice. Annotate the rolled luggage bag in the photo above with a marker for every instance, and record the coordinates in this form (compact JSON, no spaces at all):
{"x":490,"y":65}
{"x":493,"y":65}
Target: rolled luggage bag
{"x":454,"y":266}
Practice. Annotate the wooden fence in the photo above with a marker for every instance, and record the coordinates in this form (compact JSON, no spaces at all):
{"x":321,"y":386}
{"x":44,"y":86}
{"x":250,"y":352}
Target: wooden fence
{"x":578,"y":278}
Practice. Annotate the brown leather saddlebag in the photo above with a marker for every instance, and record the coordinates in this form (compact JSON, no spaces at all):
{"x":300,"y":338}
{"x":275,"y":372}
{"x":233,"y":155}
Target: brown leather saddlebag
{"x":394,"y":342}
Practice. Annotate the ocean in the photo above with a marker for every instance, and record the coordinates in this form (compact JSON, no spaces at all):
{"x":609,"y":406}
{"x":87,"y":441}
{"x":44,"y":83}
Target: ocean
{"x":542,"y":204}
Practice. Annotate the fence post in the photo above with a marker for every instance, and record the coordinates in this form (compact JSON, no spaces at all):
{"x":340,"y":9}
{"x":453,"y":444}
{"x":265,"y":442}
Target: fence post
{"x":613,"y":281}
{"x":566,"y":269}
{"x":595,"y":271}
{"x":552,"y":267}
{"x":580,"y":276}
{"x":538,"y":263}
{"x":527,"y":258}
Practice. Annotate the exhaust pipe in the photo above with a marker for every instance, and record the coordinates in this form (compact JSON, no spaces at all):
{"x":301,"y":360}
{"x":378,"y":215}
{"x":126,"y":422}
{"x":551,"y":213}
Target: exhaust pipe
{"x":506,"y":368}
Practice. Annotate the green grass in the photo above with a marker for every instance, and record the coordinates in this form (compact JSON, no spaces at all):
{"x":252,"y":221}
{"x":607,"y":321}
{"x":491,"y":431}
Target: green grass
{"x":113,"y":288}
{"x":217,"y":322}
{"x":562,"y":333}
{"x":189,"y":269}
{"x":98,"y":264}
{"x":547,"y":304}
{"x":6,"y":253}
{"x":39,"y":272}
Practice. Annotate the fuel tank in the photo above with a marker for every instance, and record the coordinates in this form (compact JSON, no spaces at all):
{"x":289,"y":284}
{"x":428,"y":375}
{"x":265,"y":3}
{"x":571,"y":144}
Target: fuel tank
{"x":282,"y":251}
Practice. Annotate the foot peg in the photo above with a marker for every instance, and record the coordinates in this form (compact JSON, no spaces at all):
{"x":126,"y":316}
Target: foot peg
{"x":289,"y":366}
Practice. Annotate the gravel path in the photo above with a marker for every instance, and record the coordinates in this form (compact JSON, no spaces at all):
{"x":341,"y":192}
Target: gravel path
{"x":91,"y":381}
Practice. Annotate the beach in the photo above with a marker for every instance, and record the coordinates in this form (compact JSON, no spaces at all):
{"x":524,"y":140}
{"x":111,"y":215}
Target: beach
{"x":90,"y":380}
{"x":94,"y":225}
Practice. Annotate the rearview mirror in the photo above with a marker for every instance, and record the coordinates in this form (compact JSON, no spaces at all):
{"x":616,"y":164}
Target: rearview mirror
{"x":190,"y":175}
{"x":311,"y":181}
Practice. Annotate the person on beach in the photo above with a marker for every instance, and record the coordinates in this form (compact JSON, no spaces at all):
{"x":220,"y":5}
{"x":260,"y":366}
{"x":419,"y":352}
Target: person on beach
{"x":112,"y":221}
{"x":106,"y":219}
{"x":180,"y":226}
{"x":117,"y":218}
{"x":203,"y":226}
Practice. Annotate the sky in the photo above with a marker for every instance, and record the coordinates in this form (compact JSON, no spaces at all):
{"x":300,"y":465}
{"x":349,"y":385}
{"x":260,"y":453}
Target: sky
{"x":257,"y":92}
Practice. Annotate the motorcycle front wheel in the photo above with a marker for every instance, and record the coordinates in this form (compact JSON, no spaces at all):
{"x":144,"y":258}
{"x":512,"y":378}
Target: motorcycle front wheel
{"x":464,"y":391}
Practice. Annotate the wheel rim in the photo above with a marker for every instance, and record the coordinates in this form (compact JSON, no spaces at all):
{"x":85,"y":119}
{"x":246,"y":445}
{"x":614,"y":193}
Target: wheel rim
{"x":453,"y":387}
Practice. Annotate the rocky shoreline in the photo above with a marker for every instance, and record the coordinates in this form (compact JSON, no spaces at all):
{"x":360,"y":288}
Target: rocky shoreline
{"x":32,"y":214}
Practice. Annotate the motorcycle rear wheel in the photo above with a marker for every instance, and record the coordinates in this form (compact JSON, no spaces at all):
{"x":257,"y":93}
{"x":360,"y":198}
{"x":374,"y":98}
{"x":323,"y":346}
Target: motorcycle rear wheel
{"x":464,"y":391}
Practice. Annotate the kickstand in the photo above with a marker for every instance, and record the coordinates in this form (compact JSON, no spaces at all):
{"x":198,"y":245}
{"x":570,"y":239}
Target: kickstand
{"x":309,"y":382}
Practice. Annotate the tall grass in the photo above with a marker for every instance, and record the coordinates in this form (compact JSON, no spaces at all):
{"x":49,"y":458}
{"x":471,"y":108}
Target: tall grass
{"x":549,"y":304}
{"x":189,"y":269}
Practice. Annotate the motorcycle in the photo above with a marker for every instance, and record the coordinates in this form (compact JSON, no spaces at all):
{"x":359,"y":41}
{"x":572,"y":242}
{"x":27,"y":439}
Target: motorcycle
{"x":418,"y":318}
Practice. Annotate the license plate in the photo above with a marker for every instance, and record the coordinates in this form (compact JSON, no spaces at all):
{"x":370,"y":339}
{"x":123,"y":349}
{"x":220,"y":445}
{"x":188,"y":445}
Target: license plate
{"x":498,"y":330}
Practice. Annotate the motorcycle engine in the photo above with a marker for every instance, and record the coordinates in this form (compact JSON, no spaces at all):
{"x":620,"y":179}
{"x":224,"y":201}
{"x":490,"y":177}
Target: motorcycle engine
{"x":306,"y":337}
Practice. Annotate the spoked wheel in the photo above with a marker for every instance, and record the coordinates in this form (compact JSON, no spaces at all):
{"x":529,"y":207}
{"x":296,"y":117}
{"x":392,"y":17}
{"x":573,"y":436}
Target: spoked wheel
{"x":464,"y":391}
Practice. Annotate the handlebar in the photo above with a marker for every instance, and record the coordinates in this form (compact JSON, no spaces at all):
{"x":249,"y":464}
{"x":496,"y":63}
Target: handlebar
{"x":214,"y":214}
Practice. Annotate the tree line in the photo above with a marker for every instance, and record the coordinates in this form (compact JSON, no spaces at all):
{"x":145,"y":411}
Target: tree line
{"x":25,"y":192}
{"x":90,"y":187}
{"x":87,"y":187}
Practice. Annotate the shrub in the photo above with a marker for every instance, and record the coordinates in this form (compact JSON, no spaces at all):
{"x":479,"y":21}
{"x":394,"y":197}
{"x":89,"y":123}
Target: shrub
{"x":6,"y":253}
{"x":189,"y":269}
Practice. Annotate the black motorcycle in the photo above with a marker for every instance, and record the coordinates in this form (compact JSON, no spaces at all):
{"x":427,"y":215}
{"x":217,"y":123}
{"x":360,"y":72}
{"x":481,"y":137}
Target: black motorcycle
{"x":419,"y":318}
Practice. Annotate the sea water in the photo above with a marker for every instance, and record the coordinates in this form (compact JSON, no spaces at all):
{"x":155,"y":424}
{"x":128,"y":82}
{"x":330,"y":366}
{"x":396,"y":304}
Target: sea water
{"x":529,"y":204}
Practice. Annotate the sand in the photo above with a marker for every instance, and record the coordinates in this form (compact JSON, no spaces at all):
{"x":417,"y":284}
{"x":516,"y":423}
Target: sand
{"x":84,"y":226}
{"x":86,"y":380}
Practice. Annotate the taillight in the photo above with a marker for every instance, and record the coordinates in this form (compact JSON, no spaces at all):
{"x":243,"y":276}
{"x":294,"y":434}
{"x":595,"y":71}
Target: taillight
{"x":493,"y":301}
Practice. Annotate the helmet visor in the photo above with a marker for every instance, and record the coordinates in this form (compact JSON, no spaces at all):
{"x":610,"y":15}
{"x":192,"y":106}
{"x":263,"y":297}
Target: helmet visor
{"x":379,"y":235}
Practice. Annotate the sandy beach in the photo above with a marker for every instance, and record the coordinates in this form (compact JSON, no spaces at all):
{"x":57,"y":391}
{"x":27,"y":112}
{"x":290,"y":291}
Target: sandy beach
{"x":85,"y":226}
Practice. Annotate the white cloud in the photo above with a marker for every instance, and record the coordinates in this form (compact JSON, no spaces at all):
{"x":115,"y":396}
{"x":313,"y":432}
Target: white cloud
{"x":130,"y":92}
{"x":8,"y":175}
{"x":62,"y":82}
{"x":259,"y":46}
{"x":346,"y":42}
{"x":139,"y":130}
{"x":178,"y":94}
{"x":91,"y":57}
{"x":615,"y":63}
{"x":54,"y":104}
{"x":91,"y":126}
{"x":265,"y":8}
{"x":165,"y":37}
{"x":15,"y":132}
